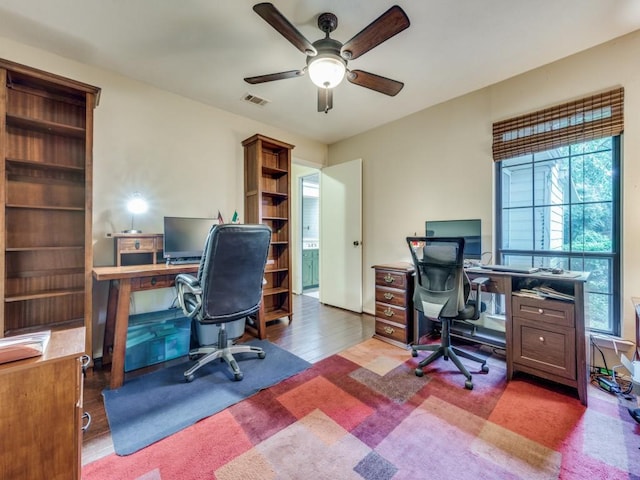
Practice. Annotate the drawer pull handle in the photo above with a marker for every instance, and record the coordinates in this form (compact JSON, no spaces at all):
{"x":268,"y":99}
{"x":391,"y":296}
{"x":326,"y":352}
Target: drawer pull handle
{"x":85,"y":360}
{"x":137,"y":245}
{"x":541,"y":339}
{"x":388,"y":278}
{"x":86,"y":419}
{"x":388,"y":295}
{"x":154,"y":280}
{"x":389,"y":330}
{"x":540,"y":311}
{"x":388,"y":312}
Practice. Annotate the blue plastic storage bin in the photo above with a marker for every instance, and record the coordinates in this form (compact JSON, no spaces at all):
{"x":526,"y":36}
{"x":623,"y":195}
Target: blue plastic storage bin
{"x":156,"y":337}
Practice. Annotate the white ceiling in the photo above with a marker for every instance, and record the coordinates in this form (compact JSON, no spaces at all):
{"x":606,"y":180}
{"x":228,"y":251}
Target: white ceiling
{"x":202,"y":49}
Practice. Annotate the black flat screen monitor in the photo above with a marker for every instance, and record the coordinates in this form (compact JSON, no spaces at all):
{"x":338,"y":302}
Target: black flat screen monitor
{"x":184,"y":238}
{"x":471,"y":230}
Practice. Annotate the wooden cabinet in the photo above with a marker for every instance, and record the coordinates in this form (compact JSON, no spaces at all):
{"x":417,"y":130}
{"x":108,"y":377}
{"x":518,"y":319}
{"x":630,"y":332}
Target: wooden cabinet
{"x":394,"y":303}
{"x":41,"y":414}
{"x":267,"y":191}
{"x":310,"y":270}
{"x":46,"y":130}
{"x":137,"y":248}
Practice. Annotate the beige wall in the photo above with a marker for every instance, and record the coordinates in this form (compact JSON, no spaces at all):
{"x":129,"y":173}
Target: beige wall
{"x":184,"y":156}
{"x":437,"y":164}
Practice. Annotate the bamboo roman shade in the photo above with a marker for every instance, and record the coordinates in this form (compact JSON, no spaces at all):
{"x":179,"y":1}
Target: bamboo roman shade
{"x":589,"y":118}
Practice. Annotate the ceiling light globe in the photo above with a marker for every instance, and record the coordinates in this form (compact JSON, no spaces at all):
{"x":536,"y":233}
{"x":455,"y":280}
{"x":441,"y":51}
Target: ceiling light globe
{"x":327,"y":71}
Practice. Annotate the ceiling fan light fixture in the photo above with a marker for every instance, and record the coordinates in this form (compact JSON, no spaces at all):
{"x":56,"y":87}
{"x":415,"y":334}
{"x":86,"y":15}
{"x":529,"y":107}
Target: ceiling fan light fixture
{"x":326,"y":71}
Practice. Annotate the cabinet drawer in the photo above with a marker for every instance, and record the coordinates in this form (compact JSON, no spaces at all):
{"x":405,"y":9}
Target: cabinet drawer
{"x":392,"y":331}
{"x":391,"y":313}
{"x":549,"y":348}
{"x":545,"y":311}
{"x":391,"y":296}
{"x":391,"y":279}
{"x":135,"y":245}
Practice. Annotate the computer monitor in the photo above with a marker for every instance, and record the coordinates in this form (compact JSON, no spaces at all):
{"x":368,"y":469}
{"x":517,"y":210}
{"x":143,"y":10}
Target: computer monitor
{"x":184,"y":237}
{"x":471,"y":230}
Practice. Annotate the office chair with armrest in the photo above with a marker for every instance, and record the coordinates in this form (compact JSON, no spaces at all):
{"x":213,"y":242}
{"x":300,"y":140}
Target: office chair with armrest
{"x":226,"y":290}
{"x":442,"y":294}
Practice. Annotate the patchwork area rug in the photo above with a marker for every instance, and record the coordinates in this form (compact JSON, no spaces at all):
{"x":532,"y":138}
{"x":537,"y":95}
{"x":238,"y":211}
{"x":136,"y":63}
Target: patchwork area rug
{"x":363,"y":414}
{"x":156,"y":405}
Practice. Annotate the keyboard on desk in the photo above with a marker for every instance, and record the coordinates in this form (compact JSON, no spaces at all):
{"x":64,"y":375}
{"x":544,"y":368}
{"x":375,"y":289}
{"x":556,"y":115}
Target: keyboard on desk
{"x":510,"y":268}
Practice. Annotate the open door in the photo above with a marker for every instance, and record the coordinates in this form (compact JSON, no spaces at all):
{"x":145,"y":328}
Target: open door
{"x":341,"y":235}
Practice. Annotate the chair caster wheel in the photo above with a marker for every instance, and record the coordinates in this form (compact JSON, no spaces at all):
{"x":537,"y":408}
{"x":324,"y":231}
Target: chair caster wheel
{"x":261,"y":355}
{"x":238,"y":376}
{"x":419,"y":372}
{"x":485,"y":368}
{"x":414,"y":353}
{"x":468,"y":385}
{"x":189,"y":378}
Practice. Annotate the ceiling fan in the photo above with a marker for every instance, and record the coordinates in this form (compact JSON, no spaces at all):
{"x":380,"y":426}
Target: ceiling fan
{"x":327,"y":58}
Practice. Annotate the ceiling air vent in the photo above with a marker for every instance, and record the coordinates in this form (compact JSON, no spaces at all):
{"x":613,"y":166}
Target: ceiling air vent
{"x":255,"y":100}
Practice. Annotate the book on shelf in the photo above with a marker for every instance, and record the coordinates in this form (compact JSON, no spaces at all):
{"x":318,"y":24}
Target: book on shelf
{"x":28,"y":345}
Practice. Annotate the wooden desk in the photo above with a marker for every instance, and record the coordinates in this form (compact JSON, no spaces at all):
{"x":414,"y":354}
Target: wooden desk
{"x":135,"y":278}
{"x":123,"y":281}
{"x":544,"y":337}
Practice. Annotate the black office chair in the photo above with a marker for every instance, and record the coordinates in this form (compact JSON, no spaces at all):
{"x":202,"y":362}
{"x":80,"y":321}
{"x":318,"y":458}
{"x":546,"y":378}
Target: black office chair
{"x":442,"y":293}
{"x":226,"y":290}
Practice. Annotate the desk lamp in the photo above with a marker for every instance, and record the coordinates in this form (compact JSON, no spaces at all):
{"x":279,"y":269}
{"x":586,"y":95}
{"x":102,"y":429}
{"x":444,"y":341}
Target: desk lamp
{"x":136,"y":205}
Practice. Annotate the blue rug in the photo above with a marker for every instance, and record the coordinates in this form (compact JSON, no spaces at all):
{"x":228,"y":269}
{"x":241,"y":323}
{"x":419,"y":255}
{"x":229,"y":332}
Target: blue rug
{"x":153,"y":406}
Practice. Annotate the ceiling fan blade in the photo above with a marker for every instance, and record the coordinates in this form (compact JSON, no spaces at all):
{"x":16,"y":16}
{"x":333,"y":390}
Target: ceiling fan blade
{"x":325,"y":99}
{"x":375,"y":82}
{"x":274,"y":76}
{"x":390,"y":23}
{"x":278,"y":21}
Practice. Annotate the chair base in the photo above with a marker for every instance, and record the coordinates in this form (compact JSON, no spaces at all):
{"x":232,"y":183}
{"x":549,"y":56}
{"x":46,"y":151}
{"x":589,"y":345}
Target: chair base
{"x":448,"y":351}
{"x":213,"y":352}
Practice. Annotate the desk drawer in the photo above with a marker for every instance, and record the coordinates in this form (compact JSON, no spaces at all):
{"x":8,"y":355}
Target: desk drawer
{"x":548,"y":348}
{"x":544,"y":311}
{"x":391,"y":296}
{"x":137,"y":245}
{"x":391,"y":313}
{"x":391,"y":279}
{"x":496,"y":284}
{"x":148,"y":283}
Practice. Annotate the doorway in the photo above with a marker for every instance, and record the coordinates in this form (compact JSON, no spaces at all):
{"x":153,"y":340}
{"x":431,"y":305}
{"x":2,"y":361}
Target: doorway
{"x":310,"y":233}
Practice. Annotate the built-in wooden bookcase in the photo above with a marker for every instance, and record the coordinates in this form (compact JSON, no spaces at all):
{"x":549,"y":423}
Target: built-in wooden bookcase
{"x":267,"y":188}
{"x":46,"y":131}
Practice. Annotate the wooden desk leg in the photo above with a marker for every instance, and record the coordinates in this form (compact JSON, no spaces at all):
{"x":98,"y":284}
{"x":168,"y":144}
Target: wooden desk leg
{"x":110,"y":321}
{"x":120,"y":334}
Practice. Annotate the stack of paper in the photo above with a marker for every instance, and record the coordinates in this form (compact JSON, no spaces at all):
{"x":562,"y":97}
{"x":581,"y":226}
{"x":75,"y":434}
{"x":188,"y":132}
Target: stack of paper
{"x":23,"y":346}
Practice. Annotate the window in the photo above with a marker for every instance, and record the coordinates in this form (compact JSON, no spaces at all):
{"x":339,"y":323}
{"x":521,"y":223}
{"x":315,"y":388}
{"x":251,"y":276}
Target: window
{"x":558,"y":202}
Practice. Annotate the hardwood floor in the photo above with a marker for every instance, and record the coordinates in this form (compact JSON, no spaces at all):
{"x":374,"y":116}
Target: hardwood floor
{"x":317,"y":331}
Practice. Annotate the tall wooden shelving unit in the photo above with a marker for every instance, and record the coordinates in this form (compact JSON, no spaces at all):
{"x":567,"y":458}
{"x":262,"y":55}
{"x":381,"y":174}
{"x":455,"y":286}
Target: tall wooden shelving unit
{"x":267,"y":192}
{"x":46,"y":142}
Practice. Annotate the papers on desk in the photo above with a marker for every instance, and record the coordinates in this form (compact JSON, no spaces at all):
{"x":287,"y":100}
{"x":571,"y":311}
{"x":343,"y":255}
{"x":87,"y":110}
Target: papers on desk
{"x":23,"y":346}
{"x":543,"y":292}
